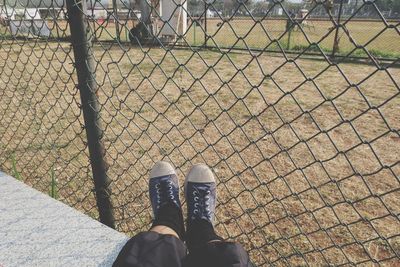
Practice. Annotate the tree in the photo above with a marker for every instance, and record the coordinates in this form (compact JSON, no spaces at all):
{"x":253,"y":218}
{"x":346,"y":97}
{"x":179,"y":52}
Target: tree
{"x":239,"y":6}
{"x":260,"y":8}
{"x":392,"y":6}
{"x":229,"y":7}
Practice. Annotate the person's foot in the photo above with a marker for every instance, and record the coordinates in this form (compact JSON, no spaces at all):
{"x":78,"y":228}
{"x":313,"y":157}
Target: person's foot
{"x":200,"y":192}
{"x":201,"y":197}
{"x":163,"y":187}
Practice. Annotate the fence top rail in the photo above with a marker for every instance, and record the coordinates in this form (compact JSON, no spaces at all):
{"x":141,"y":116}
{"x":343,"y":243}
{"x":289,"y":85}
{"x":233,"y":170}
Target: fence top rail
{"x":259,"y":18}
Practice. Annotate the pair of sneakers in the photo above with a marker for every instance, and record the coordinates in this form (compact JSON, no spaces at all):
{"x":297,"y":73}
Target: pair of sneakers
{"x":200,"y":191}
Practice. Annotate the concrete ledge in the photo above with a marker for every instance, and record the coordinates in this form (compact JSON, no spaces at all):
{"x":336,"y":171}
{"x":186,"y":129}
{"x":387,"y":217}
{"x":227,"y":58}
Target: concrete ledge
{"x":36,"y":230}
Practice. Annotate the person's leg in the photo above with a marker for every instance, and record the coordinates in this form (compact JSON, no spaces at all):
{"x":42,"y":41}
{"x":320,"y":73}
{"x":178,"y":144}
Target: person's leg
{"x":162,"y":245}
{"x":206,"y":248}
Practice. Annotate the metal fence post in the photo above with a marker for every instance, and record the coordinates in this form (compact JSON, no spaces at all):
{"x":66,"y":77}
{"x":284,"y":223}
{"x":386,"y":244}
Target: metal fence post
{"x":116,"y":22}
{"x":205,"y":24}
{"x":81,"y":42}
{"x":335,"y":48}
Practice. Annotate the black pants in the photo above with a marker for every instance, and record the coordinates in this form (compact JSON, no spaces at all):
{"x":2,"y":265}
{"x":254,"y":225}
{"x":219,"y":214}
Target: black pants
{"x":150,"y":249}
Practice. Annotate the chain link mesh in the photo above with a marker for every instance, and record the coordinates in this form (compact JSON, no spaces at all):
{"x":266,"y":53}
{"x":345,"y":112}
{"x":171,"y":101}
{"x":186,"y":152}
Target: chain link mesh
{"x":297,"y":113}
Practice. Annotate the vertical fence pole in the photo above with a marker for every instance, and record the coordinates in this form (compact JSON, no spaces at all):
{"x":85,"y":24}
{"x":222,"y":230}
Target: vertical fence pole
{"x":205,"y":23}
{"x":116,"y":22}
{"x":81,"y":43}
{"x":335,"y":48}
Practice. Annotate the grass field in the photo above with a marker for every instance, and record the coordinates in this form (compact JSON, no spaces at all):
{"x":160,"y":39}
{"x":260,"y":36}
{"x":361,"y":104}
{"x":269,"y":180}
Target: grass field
{"x":306,"y":154}
{"x":379,"y":39}
{"x":259,"y":35}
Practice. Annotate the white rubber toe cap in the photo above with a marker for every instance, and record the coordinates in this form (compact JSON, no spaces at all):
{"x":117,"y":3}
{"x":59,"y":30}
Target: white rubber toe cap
{"x":200,"y":173}
{"x":162,"y":168}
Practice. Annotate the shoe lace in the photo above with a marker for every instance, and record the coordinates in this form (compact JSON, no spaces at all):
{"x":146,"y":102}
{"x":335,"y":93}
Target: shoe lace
{"x":165,"y":193}
{"x":201,"y":208}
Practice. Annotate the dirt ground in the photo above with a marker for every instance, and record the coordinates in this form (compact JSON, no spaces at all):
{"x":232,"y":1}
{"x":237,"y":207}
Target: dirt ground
{"x":306,"y":153}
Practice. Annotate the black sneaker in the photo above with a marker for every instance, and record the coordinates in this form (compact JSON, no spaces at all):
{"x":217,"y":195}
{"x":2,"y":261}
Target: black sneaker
{"x":200,"y":192}
{"x":163,"y":187}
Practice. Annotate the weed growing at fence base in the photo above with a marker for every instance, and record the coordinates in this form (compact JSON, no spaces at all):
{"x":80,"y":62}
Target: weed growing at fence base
{"x":15,"y":172}
{"x":306,"y":154}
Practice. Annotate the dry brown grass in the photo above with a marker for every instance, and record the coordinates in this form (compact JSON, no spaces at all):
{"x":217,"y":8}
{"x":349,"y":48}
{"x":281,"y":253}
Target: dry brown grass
{"x":308,"y":170}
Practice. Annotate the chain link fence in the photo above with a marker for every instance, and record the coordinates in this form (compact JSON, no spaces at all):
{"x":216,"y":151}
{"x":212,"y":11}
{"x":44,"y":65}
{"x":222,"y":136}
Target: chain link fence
{"x":295,"y":110}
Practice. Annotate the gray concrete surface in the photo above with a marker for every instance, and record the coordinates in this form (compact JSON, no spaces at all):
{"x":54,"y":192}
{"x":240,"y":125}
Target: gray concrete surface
{"x":36,"y":230}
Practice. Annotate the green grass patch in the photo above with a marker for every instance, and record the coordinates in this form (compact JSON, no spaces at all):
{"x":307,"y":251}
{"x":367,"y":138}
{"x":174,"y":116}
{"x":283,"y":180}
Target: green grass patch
{"x":311,"y":48}
{"x":375,"y":53}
